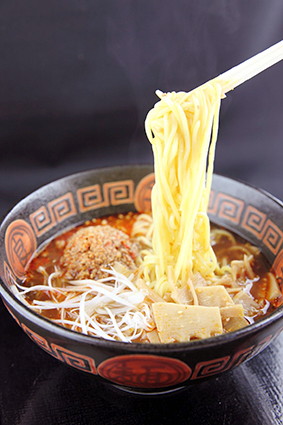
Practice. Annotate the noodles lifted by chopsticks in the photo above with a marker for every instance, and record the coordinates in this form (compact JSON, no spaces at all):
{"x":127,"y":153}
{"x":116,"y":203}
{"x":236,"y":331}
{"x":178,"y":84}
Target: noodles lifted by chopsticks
{"x":182,"y":128}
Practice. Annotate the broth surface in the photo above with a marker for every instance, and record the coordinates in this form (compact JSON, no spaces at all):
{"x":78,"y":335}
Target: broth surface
{"x":228,"y":248}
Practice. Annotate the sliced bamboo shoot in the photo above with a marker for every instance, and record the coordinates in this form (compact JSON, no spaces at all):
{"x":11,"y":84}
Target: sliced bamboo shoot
{"x":180,"y":323}
{"x":249,"y":304}
{"x":236,"y":310}
{"x":235,"y":323}
{"x":273,"y":290}
{"x":215,"y":296}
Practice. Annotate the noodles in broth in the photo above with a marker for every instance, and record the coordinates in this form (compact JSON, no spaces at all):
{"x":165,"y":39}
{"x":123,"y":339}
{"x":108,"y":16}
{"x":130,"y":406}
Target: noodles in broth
{"x":162,"y":277}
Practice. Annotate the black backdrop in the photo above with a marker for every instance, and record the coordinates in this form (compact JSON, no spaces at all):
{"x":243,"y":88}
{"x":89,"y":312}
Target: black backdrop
{"x":77,"y":78}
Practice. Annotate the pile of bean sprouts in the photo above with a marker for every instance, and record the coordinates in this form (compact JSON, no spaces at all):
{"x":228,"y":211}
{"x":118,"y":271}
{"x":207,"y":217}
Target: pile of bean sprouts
{"x":112,"y":308}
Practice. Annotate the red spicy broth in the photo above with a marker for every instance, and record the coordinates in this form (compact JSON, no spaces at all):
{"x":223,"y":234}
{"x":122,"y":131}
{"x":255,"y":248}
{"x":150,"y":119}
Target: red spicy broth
{"x":223,"y":246}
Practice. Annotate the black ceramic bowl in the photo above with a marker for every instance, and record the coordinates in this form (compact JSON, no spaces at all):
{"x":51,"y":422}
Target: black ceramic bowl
{"x":143,"y":368}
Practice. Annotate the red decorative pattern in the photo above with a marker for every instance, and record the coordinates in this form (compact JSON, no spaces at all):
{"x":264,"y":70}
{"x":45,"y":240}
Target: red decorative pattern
{"x":272,"y":236}
{"x":121,"y":192}
{"x":90,"y":198}
{"x":79,"y":361}
{"x":20,"y":244}
{"x":210,"y":367}
{"x":241,"y":356}
{"x":111,"y":193}
{"x":63,"y":207}
{"x":57,"y":210}
{"x":42,"y":220}
{"x":144,"y":371}
{"x":254,"y":220}
{"x":227,"y":207}
{"x":264,"y":229}
{"x":143,"y":193}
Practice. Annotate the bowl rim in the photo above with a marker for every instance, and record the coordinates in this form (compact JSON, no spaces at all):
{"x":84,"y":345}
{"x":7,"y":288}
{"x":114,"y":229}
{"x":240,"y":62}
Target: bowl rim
{"x":164,"y":348}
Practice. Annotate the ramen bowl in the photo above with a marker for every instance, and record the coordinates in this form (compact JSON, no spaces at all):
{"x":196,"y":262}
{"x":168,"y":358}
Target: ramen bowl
{"x":135,"y":367}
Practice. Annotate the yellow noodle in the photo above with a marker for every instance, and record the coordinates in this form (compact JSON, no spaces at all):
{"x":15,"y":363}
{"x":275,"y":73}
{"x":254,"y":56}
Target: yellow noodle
{"x":182,"y":128}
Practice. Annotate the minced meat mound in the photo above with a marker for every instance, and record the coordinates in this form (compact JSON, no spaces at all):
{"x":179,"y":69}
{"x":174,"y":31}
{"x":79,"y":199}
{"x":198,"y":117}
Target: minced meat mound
{"x":95,"y":247}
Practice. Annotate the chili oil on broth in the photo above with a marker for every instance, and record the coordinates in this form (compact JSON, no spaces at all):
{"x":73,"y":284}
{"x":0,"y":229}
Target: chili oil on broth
{"x":253,"y":284}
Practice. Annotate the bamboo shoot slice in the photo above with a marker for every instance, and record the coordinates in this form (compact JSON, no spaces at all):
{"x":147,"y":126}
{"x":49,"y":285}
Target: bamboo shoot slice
{"x":213,"y":296}
{"x":180,"y":322}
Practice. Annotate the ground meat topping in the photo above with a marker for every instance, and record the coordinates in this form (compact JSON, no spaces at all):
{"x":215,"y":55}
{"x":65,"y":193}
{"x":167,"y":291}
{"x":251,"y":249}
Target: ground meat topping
{"x":95,"y":247}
